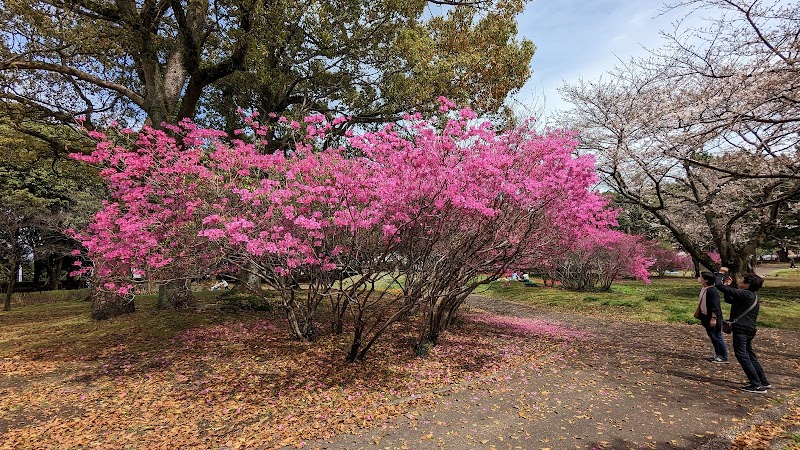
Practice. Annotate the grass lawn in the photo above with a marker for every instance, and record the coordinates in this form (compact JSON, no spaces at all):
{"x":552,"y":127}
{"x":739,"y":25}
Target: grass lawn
{"x":668,"y":299}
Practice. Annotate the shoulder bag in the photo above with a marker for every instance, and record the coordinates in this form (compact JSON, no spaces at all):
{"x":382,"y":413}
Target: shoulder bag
{"x":727,"y":325}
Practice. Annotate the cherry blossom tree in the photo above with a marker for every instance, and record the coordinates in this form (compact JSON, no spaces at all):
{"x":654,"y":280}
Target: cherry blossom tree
{"x":703,"y":134}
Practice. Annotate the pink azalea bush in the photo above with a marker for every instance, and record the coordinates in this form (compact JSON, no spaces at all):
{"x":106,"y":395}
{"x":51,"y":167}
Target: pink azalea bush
{"x":665,"y":258}
{"x":598,"y":259}
{"x":149,"y":227}
{"x":410,"y":217}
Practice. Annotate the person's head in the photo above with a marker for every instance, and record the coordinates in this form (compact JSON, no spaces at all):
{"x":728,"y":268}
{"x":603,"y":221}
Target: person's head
{"x":706,"y":278}
{"x":751,"y":282}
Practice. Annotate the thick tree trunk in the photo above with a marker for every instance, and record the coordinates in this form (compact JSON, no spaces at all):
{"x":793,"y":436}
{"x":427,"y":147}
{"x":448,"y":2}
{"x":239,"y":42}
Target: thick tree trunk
{"x":38,"y":268}
{"x":12,"y":280}
{"x":9,"y":291}
{"x":106,"y":305}
{"x":176,"y":294}
{"x":55,"y":271}
{"x":248,"y":280}
{"x":52,"y":283}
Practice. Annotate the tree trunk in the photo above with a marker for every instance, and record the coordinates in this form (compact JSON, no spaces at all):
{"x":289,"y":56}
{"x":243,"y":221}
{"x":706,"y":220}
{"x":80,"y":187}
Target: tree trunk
{"x":441,"y":317}
{"x":38,"y":267}
{"x":106,"y":305}
{"x":355,"y":345}
{"x":52,"y":283}
{"x":300,"y":324}
{"x":176,"y":294}
{"x":339,"y":307}
{"x":56,"y":268}
{"x":12,"y":280}
{"x":248,"y":280}
{"x":433,"y":320}
{"x":9,"y":290}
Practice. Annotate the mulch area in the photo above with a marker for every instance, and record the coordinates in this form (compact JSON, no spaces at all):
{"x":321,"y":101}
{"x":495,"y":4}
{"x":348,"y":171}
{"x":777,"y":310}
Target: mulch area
{"x":627,"y":385}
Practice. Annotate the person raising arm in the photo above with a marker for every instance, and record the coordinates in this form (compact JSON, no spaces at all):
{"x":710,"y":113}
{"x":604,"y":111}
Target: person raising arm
{"x":744,"y":329}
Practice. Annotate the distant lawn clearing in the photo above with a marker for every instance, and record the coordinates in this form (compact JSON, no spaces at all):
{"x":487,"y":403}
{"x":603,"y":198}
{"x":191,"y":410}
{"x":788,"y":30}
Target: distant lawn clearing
{"x":668,"y":299}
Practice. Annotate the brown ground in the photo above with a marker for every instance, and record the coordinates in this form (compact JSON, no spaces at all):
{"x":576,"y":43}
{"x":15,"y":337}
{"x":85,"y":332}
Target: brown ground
{"x":631,"y":385}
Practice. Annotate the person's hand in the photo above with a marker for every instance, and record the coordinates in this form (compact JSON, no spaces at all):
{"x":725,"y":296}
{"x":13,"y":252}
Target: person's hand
{"x":723,"y":270}
{"x":727,"y":281}
{"x":713,"y":322}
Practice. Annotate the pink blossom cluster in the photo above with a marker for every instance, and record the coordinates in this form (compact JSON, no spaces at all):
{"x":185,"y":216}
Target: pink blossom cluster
{"x":433,"y":203}
{"x":665,"y":258}
{"x":599,"y":258}
{"x":182,"y":197}
{"x":158,"y":186}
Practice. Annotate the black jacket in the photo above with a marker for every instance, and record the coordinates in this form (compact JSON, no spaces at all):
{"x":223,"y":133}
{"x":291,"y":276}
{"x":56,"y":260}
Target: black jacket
{"x":740,"y":300}
{"x":713,"y":307}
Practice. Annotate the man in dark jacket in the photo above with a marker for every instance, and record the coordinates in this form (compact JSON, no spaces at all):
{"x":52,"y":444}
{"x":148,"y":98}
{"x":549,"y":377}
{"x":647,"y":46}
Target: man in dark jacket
{"x":744,"y":329}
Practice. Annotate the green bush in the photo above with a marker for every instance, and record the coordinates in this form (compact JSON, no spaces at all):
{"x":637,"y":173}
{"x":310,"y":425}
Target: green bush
{"x":240,"y":301}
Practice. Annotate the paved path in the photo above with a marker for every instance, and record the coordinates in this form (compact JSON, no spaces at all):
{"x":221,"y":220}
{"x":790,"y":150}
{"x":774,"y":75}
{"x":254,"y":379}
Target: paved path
{"x":631,"y":385}
{"x":766,"y":269}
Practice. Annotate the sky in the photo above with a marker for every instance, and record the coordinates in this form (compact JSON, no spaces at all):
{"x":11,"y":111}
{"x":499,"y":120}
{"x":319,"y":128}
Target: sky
{"x":582,"y":39}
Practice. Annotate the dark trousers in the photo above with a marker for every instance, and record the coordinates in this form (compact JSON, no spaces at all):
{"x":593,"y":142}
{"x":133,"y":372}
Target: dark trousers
{"x":743,"y":348}
{"x":718,"y":342}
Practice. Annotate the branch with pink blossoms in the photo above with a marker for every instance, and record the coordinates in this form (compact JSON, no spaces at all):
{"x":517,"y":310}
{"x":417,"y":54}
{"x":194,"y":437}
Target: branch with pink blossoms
{"x":398,"y":223}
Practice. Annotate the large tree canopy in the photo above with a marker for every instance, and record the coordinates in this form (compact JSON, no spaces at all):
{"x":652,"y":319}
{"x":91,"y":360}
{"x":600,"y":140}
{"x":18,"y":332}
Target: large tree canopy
{"x":164,"y":60}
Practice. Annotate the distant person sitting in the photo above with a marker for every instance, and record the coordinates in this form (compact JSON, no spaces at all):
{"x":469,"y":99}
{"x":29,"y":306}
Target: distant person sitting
{"x":221,"y":285}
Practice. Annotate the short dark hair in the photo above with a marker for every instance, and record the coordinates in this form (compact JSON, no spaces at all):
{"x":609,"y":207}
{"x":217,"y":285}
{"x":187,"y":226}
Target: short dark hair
{"x":708,"y":277}
{"x":754,"y":282}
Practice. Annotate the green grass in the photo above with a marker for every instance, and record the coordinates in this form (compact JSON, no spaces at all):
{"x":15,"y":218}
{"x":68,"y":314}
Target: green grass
{"x":787,"y":273}
{"x":668,"y":299}
{"x":36,"y":327}
{"x":64,"y":316}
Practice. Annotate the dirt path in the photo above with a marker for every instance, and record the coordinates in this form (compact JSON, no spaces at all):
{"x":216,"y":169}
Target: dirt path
{"x":631,"y":385}
{"x":766,"y":269}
